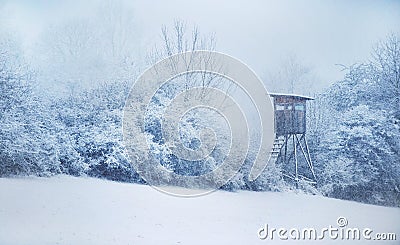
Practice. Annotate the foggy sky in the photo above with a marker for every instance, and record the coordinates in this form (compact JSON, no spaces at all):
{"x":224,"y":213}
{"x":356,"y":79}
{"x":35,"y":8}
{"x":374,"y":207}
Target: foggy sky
{"x":260,"y":33}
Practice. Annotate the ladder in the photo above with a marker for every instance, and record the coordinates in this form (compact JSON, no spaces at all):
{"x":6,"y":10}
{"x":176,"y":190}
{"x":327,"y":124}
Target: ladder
{"x":276,"y":149}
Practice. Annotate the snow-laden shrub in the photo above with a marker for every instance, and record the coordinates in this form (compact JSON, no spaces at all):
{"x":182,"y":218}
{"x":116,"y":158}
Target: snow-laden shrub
{"x":27,"y":145}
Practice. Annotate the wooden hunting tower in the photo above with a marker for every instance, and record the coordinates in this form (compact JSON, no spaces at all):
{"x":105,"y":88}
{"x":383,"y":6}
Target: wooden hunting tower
{"x":290,"y":137}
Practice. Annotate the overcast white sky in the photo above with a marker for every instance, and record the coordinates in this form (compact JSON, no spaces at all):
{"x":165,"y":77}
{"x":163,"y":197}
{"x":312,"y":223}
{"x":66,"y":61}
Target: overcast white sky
{"x":260,"y":33}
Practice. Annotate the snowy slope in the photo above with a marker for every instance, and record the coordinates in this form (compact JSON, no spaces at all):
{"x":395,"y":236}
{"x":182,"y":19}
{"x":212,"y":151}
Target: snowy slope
{"x":67,"y":210}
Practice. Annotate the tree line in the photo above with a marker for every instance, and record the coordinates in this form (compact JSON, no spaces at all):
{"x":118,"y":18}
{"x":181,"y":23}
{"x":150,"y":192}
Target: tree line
{"x":353,"y":125}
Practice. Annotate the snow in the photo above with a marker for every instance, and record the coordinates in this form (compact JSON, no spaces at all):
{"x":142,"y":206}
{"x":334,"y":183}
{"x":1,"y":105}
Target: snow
{"x":291,"y":95}
{"x":69,"y":210}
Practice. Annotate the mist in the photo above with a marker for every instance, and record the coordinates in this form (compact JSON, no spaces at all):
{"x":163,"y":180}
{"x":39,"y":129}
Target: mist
{"x":263,"y":34}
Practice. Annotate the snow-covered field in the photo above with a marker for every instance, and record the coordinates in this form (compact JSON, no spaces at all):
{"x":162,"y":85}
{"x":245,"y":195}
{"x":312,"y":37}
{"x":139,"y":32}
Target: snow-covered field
{"x":67,"y":210}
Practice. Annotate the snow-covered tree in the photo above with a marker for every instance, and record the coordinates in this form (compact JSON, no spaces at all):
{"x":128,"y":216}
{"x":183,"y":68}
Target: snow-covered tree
{"x":357,"y":152}
{"x":385,"y":66}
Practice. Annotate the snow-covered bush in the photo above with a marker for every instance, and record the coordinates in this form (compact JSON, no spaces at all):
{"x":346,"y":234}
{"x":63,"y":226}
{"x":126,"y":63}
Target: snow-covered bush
{"x":26,"y":143}
{"x":90,"y":134}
